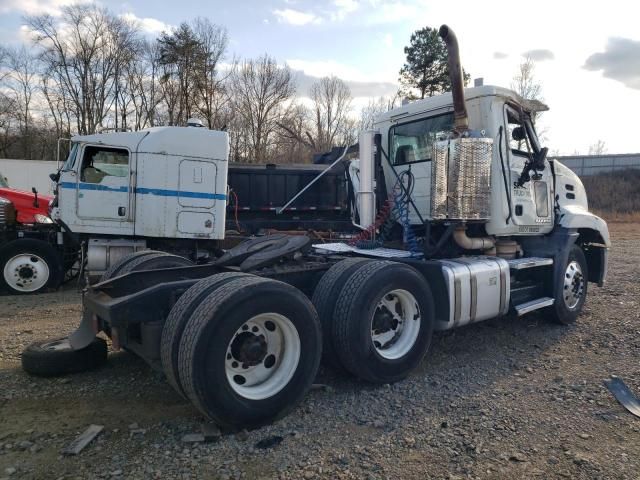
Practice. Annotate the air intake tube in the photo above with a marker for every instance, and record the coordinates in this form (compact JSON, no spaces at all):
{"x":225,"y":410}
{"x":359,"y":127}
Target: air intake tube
{"x":455,"y":76}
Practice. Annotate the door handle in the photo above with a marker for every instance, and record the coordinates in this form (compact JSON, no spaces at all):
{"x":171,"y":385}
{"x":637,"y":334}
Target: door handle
{"x":122,"y":211}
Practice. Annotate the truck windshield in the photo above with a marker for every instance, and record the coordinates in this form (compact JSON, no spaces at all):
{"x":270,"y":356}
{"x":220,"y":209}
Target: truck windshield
{"x":71,"y":159}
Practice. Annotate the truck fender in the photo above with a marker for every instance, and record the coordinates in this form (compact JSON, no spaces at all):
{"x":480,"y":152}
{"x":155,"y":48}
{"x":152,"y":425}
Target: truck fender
{"x":593,"y":238}
{"x":576,"y":217}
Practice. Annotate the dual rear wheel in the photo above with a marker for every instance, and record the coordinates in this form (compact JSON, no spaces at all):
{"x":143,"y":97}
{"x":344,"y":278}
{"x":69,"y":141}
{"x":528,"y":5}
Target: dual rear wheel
{"x":245,"y":349}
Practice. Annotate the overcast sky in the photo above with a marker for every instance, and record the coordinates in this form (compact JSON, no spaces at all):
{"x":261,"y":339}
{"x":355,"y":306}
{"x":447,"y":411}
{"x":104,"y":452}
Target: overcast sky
{"x":587,"y":53}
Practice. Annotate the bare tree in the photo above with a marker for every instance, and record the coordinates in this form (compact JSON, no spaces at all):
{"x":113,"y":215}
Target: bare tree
{"x":261,"y":92}
{"x":331,"y":107}
{"x":294,"y":142}
{"x":85,"y":47}
{"x":598,"y":148}
{"x":374,"y":108}
{"x":212,"y":94}
{"x":21,"y":79}
{"x":525,"y":83}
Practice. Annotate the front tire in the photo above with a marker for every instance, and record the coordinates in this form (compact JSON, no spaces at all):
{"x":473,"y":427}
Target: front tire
{"x":250,"y":352}
{"x":571,"y":288}
{"x":29,"y":266}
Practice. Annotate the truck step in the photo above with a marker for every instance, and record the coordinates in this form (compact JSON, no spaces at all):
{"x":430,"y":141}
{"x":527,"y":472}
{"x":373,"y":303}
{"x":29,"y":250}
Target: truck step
{"x":529,"y":262}
{"x":534,"y":305}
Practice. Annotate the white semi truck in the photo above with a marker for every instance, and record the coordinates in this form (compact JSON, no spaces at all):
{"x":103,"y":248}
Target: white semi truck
{"x":461,"y":218}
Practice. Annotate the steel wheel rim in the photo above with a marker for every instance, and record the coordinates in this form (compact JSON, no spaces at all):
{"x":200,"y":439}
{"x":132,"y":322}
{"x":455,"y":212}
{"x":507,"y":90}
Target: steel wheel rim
{"x":262,"y":356}
{"x":57,"y":345}
{"x":395,"y":325}
{"x":573,"y":290}
{"x":26,"y":272}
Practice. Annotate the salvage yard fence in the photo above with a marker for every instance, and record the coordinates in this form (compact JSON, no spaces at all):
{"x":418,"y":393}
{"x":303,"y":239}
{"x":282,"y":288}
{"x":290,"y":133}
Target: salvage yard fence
{"x":587,"y":165}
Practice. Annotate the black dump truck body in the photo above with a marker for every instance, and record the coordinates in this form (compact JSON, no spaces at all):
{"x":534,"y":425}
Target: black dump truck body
{"x":258,"y":191}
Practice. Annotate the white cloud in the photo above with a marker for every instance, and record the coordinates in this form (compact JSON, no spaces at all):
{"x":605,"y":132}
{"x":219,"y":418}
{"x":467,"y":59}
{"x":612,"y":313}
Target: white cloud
{"x":343,"y":9}
{"x":148,"y":24}
{"x":388,"y":40}
{"x":36,"y":7}
{"x":361,"y":84}
{"x":295,"y":17}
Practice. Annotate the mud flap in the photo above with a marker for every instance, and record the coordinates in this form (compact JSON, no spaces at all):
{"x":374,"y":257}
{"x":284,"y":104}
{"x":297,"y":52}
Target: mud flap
{"x":82,"y":336}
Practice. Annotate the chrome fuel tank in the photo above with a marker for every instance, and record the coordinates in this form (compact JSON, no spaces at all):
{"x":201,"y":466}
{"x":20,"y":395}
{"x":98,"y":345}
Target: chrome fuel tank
{"x":478,"y":289}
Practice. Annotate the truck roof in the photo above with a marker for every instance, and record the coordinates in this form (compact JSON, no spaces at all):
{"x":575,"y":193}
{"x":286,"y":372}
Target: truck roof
{"x":445,"y":99}
{"x":182,"y":141}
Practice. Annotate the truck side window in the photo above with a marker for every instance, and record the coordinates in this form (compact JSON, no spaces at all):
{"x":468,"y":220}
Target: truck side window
{"x":101,"y":162}
{"x":520,"y":140}
{"x":411,"y":142}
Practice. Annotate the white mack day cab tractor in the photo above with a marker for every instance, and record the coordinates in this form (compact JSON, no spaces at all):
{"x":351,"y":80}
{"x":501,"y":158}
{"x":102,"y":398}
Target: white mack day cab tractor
{"x":461,"y":218}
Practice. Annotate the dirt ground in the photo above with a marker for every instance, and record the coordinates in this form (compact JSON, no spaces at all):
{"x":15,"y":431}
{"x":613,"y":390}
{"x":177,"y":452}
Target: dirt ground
{"x":507,"y":398}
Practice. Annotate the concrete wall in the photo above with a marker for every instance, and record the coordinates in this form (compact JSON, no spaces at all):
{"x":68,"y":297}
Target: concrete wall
{"x":585,"y":165}
{"x":24,"y":174}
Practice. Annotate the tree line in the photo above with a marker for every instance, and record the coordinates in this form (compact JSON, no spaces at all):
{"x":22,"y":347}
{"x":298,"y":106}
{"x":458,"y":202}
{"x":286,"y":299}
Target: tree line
{"x":90,"y":70}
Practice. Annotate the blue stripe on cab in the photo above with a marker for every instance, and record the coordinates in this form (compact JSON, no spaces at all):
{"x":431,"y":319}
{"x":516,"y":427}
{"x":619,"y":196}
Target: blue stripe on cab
{"x":145,"y":191}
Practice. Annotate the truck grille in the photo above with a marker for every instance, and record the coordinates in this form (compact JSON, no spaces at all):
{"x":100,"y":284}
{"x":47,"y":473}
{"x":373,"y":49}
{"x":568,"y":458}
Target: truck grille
{"x":7,"y":212}
{"x":461,"y":179}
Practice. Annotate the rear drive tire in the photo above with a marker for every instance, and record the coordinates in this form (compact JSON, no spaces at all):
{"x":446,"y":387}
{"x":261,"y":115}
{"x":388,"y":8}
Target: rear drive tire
{"x":383,"y":321}
{"x":324,"y":299}
{"x":571,"y":288}
{"x":250,"y":352}
{"x":56,"y":357}
{"x":179,"y":316}
{"x":29,"y":266}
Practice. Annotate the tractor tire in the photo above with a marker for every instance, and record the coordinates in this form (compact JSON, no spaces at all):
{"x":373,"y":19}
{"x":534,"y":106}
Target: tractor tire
{"x":383,"y":321}
{"x":570,"y":288}
{"x":30,"y":266}
{"x":114,"y":270}
{"x":250,"y":352}
{"x":179,"y":316}
{"x":155,"y":261}
{"x":56,"y":357}
{"x":324,"y":299}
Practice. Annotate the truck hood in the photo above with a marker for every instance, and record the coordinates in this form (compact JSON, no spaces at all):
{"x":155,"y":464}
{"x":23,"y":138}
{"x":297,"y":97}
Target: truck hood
{"x":23,"y":202}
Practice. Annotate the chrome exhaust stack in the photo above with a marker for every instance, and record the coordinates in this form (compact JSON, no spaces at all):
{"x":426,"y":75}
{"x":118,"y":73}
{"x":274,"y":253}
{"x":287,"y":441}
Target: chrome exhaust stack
{"x":461,"y":163}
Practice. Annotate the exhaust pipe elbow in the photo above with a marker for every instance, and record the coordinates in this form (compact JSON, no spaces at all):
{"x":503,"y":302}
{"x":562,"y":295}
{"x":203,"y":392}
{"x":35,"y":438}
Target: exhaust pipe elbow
{"x":456,"y":78}
{"x":468,"y":243}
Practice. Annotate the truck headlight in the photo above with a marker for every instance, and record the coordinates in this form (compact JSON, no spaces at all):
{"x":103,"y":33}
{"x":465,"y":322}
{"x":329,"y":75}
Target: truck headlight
{"x":42,"y":218}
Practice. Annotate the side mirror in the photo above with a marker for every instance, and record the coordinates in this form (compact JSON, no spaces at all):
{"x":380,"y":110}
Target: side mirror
{"x":540,"y":158}
{"x":54,"y":177}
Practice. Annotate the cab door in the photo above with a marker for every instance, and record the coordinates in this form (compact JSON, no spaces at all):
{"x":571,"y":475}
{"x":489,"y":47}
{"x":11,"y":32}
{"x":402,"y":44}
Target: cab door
{"x":104,"y":188}
{"x":531,"y":202}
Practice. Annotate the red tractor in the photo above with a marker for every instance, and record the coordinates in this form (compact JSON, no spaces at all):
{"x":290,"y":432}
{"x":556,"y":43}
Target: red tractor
{"x":29,"y":258}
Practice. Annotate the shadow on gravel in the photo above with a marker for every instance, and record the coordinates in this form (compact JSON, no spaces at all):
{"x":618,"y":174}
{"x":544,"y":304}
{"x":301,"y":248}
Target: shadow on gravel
{"x":474,"y":357}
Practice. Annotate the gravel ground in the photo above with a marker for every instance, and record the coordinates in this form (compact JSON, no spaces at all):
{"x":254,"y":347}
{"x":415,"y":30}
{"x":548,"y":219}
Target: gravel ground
{"x":507,"y":398}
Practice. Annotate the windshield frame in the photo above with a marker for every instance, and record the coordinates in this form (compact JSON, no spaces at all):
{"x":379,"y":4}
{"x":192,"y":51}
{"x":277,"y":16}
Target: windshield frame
{"x":69,"y":163}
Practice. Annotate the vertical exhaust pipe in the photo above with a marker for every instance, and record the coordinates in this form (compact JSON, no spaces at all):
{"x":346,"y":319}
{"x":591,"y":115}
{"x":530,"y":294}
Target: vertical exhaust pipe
{"x":455,"y":76}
